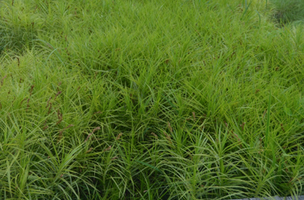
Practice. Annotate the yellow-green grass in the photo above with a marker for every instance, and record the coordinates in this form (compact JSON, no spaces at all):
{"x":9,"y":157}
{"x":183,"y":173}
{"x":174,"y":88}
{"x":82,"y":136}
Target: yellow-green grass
{"x":149,"y":99}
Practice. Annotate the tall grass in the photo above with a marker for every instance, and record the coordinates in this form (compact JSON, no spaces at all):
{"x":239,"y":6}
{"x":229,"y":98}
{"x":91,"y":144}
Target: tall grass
{"x":149,"y":100}
{"x":288,"y":11}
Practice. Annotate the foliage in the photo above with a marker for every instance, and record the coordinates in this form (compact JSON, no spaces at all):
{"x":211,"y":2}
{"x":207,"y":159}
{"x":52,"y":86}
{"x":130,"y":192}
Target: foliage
{"x":288,"y":11}
{"x":150,"y":99}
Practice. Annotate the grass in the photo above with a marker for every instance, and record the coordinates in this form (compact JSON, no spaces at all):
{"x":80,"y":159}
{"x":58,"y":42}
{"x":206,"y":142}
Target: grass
{"x":288,"y":11}
{"x":186,"y":99}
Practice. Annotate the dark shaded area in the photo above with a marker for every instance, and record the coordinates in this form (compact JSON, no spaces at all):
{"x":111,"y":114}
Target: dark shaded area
{"x":288,"y":11}
{"x":275,"y":198}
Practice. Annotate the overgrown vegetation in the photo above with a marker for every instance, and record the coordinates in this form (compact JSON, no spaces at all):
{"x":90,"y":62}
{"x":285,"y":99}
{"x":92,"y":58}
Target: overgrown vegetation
{"x":150,"y":99}
{"x":288,"y":11}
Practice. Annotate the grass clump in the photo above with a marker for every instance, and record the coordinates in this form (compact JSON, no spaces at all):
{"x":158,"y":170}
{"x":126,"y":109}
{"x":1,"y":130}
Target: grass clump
{"x":288,"y":11}
{"x":149,"y":100}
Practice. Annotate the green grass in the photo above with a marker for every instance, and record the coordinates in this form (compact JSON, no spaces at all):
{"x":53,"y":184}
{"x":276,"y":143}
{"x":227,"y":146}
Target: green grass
{"x":149,"y":99}
{"x":287,"y":11}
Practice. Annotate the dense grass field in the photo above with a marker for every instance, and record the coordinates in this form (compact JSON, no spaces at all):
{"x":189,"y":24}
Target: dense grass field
{"x":151,"y":99}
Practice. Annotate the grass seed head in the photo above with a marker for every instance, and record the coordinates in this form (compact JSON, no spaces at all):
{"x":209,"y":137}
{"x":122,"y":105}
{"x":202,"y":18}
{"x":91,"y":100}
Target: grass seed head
{"x":95,"y":129}
{"x":114,"y":158}
{"x":88,"y":151}
{"x":118,"y":136}
{"x":168,"y":137}
{"x":170,"y":128}
{"x":31,"y":90}
{"x":58,"y":93}
{"x":3,"y":80}
{"x":155,"y":135}
{"x":108,"y":149}
{"x":193,"y":115}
